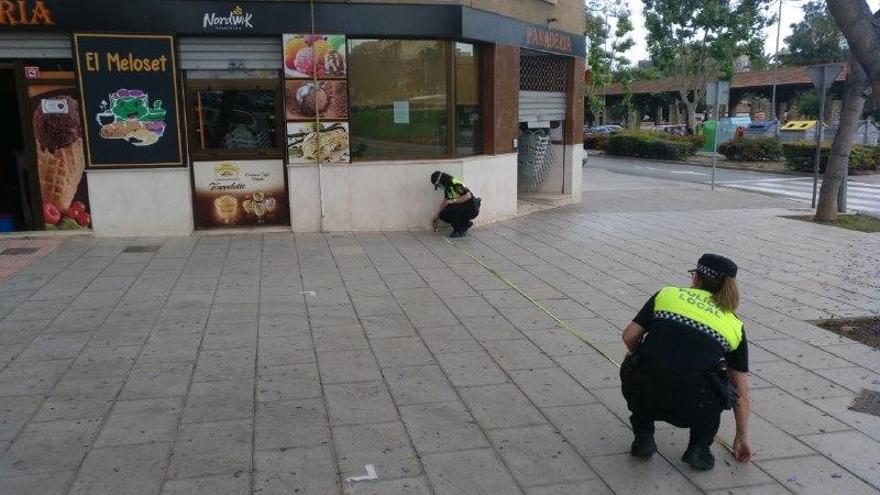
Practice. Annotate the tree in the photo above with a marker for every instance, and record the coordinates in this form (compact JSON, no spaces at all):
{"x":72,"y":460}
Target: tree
{"x":853,"y":104}
{"x":816,"y":39}
{"x":604,"y":60}
{"x":862,"y":34}
{"x":696,"y":42}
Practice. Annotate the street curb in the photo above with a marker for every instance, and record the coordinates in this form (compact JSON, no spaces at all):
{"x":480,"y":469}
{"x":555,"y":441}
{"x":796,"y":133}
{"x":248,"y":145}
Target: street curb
{"x":726,"y":167}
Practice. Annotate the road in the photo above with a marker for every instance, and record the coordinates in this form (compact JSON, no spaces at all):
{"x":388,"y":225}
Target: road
{"x":863,"y":193}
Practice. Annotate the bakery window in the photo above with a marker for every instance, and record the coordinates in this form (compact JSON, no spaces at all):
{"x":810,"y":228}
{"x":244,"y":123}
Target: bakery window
{"x":235,"y":118}
{"x":414,"y":99}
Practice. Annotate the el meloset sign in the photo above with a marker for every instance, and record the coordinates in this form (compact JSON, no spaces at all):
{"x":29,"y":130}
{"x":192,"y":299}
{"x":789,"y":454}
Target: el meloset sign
{"x":128,"y":90}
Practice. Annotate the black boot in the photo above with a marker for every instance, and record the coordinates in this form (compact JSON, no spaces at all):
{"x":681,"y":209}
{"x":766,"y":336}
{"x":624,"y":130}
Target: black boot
{"x":643,"y":445}
{"x":699,"y":457}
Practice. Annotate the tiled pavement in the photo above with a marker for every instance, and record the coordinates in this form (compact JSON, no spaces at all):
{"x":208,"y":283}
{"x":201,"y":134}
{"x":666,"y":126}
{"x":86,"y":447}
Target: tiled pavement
{"x":276,"y":364}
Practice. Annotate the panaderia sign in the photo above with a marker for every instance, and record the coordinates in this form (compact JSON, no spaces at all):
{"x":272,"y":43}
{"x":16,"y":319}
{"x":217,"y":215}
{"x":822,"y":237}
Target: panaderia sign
{"x":548,"y":40}
{"x":25,"y":12}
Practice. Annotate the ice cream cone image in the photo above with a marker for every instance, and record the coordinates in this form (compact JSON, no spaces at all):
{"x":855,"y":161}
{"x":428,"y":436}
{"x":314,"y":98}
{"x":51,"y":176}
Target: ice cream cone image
{"x":60,"y":173}
{"x":60,"y":158}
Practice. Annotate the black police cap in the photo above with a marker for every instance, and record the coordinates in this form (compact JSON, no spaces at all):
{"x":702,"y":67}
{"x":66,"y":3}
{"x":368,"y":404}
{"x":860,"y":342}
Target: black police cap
{"x":715,"y":266}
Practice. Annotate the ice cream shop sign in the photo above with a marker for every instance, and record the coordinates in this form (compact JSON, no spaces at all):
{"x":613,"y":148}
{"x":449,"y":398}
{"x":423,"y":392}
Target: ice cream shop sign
{"x":129,"y":100}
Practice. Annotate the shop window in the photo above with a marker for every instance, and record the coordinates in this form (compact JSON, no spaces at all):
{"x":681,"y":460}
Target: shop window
{"x":414,"y":99}
{"x":235,"y":118}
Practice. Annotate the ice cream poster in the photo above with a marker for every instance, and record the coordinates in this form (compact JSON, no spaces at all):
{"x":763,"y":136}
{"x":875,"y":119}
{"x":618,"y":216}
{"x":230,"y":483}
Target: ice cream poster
{"x":240,"y":193}
{"x":314,"y":55}
{"x":307,"y":141}
{"x":129,"y":100}
{"x":58,"y":140}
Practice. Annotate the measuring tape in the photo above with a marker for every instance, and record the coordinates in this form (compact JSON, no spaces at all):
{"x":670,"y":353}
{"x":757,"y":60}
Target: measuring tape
{"x":565,"y":326}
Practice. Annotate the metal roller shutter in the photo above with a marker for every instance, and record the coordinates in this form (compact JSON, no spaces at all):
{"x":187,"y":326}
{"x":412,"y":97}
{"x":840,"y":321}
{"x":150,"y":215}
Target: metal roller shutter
{"x":230,"y":53}
{"x":541,"y":106}
{"x":35,"y":45}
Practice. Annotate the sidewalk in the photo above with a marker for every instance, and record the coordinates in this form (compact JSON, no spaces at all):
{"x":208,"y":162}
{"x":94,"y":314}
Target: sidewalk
{"x":281,"y":364}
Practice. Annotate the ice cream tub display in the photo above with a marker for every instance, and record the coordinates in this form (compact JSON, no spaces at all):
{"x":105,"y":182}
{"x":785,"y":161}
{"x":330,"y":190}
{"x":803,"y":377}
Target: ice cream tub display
{"x":240,"y":194}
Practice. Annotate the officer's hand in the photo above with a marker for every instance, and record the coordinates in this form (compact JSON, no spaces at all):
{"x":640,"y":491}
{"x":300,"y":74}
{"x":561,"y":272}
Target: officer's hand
{"x":742,"y":451}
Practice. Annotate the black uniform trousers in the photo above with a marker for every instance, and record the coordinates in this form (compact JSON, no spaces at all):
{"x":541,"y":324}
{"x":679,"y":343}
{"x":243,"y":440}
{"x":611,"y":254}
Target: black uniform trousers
{"x":459,"y":215}
{"x":685,"y":400}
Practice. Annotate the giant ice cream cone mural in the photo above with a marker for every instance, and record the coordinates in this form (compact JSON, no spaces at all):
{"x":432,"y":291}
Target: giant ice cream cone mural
{"x":60,"y":159}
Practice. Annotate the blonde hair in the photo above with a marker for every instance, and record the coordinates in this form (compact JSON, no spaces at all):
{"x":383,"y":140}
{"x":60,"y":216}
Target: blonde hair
{"x":725,"y":293}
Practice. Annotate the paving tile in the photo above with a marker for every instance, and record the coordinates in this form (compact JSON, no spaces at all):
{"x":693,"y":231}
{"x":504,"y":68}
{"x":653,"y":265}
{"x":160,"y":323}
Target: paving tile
{"x":157,"y":380}
{"x":296,"y":349}
{"x":75,"y":397}
{"x":814,"y":475}
{"x":591,"y":370}
{"x":627,"y":474}
{"x":385,"y":445}
{"x":805,"y":355}
{"x":233,"y":484}
{"x":348,"y":366}
{"x":357,"y":403}
{"x":387,"y":326}
{"x":20,"y":331}
{"x":444,"y":340}
{"x":854,"y":378}
{"x":500,"y":406}
{"x":140,"y":421}
{"x":558,"y":342}
{"x":768,"y":441}
{"x":402,"y":486}
{"x":727,"y":473}
{"x":282,"y":326}
{"x":306,"y":470}
{"x":54,"y":483}
{"x":348,"y":337}
{"x":591,"y":429}
{"x":797,"y":381}
{"x":471,"y":368}
{"x":488,"y":328}
{"x":54,"y":346}
{"x":403,"y":351}
{"x":298,"y":381}
{"x":442,"y":427}
{"x":547,"y":387}
{"x":419,"y":385}
{"x":839,"y":408}
{"x":132,"y":469}
{"x":206,"y":449}
{"x":537,"y":455}
{"x":20,"y":378}
{"x":105,"y":361}
{"x":176,"y":348}
{"x":376,"y":306}
{"x":230,"y":335}
{"x":468,"y":471}
{"x":595,"y":486}
{"x":216,"y":401}
{"x":856,"y":452}
{"x":48,"y":447}
{"x":771,"y":489}
{"x":518,"y":355}
{"x":860,"y":354}
{"x":791,"y":414}
{"x":290,"y":424}
{"x":15,"y":412}
{"x":225,"y":364}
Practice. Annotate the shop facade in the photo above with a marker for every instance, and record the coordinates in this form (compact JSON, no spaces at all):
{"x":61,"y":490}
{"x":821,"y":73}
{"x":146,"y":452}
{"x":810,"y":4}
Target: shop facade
{"x":175,"y":116}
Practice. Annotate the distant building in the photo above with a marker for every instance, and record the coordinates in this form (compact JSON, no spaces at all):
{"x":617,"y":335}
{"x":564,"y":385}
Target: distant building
{"x":742,"y":64}
{"x":645,"y":64}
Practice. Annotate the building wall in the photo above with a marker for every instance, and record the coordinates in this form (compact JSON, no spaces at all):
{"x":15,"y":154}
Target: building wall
{"x":146,"y":202}
{"x":394,"y":196}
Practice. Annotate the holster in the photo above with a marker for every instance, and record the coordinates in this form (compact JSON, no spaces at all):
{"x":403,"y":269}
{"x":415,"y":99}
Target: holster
{"x":722,"y":386}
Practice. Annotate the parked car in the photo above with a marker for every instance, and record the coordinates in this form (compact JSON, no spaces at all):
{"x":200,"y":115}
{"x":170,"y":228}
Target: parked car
{"x":603,"y":129}
{"x":674,"y":129}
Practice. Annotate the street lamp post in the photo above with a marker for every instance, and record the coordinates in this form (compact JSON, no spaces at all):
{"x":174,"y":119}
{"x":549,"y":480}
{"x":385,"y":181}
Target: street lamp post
{"x":776,"y":70}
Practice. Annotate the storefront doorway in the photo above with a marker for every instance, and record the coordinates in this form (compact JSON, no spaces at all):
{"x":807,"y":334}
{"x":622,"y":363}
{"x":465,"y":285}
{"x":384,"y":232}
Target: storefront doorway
{"x":17,"y":198}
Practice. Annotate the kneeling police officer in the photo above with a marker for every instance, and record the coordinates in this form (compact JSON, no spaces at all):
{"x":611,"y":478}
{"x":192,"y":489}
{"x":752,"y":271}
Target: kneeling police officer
{"x":459,"y":206}
{"x":688,"y":362}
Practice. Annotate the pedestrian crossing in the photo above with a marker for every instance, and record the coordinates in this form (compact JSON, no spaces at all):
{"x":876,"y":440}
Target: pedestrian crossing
{"x":861,"y":196}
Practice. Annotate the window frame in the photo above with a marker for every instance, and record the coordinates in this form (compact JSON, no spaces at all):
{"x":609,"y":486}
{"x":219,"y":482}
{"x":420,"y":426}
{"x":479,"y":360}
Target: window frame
{"x":451,"y":93}
{"x":198,"y":154}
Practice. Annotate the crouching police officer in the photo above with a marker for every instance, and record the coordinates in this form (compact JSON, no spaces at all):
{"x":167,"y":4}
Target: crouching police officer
{"x":459,"y":205}
{"x":687,"y":362}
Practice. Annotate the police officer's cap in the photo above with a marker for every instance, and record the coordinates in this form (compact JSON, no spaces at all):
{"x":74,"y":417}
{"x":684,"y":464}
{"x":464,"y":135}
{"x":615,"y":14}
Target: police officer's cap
{"x":716,"y":266}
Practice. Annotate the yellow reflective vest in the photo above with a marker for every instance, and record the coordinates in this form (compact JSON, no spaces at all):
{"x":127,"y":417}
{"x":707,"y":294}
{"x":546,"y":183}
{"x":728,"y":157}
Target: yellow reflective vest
{"x":696,"y":308}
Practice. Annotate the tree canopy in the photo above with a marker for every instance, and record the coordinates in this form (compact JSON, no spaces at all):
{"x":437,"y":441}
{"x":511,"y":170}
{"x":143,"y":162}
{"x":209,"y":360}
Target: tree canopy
{"x":816,"y":39}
